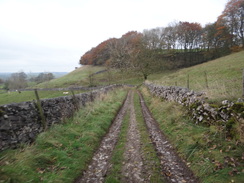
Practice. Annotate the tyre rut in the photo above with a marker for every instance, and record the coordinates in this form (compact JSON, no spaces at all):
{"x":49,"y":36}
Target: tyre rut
{"x":174,"y":169}
{"x":100,"y":162}
{"x":133,"y":164}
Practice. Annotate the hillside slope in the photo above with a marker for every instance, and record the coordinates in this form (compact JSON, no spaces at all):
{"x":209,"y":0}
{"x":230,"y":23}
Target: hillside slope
{"x":78,"y":77}
{"x":220,"y":78}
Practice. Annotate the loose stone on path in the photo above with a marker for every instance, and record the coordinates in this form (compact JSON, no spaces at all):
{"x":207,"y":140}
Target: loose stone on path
{"x":100,"y":161}
{"x":173,"y":167}
{"x":133,"y":165}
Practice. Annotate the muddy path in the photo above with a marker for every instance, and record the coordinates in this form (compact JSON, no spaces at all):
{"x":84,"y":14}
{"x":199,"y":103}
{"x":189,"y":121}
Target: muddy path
{"x":133,"y":164}
{"x":173,"y":167}
{"x":100,"y":162}
{"x":134,"y":168}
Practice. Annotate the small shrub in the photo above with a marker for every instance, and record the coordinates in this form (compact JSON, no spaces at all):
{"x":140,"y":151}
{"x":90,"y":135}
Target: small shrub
{"x":230,"y":127}
{"x":238,"y":107}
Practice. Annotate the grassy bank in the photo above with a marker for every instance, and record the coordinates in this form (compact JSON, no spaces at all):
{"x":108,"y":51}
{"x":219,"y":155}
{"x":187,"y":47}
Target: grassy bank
{"x":78,"y":77}
{"x":63,"y":152}
{"x":221,"y":78}
{"x":212,"y":157}
{"x":84,"y":76}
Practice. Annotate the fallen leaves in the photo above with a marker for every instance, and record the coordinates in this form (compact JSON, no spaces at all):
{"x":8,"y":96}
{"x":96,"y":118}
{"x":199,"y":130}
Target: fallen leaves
{"x":231,"y":162}
{"x":40,"y":170}
{"x":233,"y":172}
{"x":214,"y":147}
{"x":218,"y":165}
{"x":168,"y":174}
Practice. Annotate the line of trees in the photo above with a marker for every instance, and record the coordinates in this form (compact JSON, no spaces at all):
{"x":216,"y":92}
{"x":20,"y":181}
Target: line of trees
{"x":16,"y":81}
{"x":180,"y":44}
{"x":42,"y":77}
{"x":20,"y":80}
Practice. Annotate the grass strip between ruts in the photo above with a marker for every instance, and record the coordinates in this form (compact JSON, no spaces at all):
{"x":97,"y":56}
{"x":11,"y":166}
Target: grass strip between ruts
{"x":115,"y":173}
{"x":151,"y":161}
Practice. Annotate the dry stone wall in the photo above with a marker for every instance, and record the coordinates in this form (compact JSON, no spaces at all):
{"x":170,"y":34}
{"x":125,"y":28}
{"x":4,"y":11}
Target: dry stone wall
{"x":226,"y":114}
{"x":21,"y":122}
{"x":181,"y":95}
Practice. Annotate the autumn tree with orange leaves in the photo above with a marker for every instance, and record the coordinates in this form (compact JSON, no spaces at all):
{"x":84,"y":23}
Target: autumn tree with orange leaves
{"x":98,"y":55}
{"x":123,"y":49}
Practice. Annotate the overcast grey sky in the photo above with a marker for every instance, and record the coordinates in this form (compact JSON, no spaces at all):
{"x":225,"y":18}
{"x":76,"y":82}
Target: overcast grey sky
{"x":51,"y":35}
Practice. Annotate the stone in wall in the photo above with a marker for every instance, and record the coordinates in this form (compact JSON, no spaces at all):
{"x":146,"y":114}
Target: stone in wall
{"x":19,"y":123}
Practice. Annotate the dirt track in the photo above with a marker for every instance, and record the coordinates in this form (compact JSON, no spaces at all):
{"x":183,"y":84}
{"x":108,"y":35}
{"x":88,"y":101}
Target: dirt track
{"x":174,"y":168}
{"x":133,"y":165}
{"x":100,"y":161}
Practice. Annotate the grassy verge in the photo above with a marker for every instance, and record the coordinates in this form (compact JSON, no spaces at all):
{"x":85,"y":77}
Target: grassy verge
{"x":115,"y":174}
{"x":15,"y":97}
{"x":63,"y":152}
{"x":212,"y":158}
{"x":151,"y":161}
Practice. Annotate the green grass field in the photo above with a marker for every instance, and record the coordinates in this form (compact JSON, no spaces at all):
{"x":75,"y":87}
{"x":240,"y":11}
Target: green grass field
{"x":15,"y":97}
{"x":220,"y":79}
{"x":78,"y":77}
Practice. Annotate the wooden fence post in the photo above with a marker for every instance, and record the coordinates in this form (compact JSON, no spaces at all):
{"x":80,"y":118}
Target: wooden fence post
{"x":206,"y":79}
{"x":188,"y":81}
{"x":75,"y":100}
{"x":39,"y":106}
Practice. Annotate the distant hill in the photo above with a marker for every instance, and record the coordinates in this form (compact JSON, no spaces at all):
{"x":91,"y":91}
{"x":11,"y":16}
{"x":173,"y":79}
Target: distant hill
{"x":6,"y":75}
{"x":59,"y":74}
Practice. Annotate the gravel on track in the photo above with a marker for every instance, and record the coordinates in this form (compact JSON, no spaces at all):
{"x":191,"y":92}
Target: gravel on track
{"x":133,"y":165}
{"x":100,"y":161}
{"x":173,"y":167}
